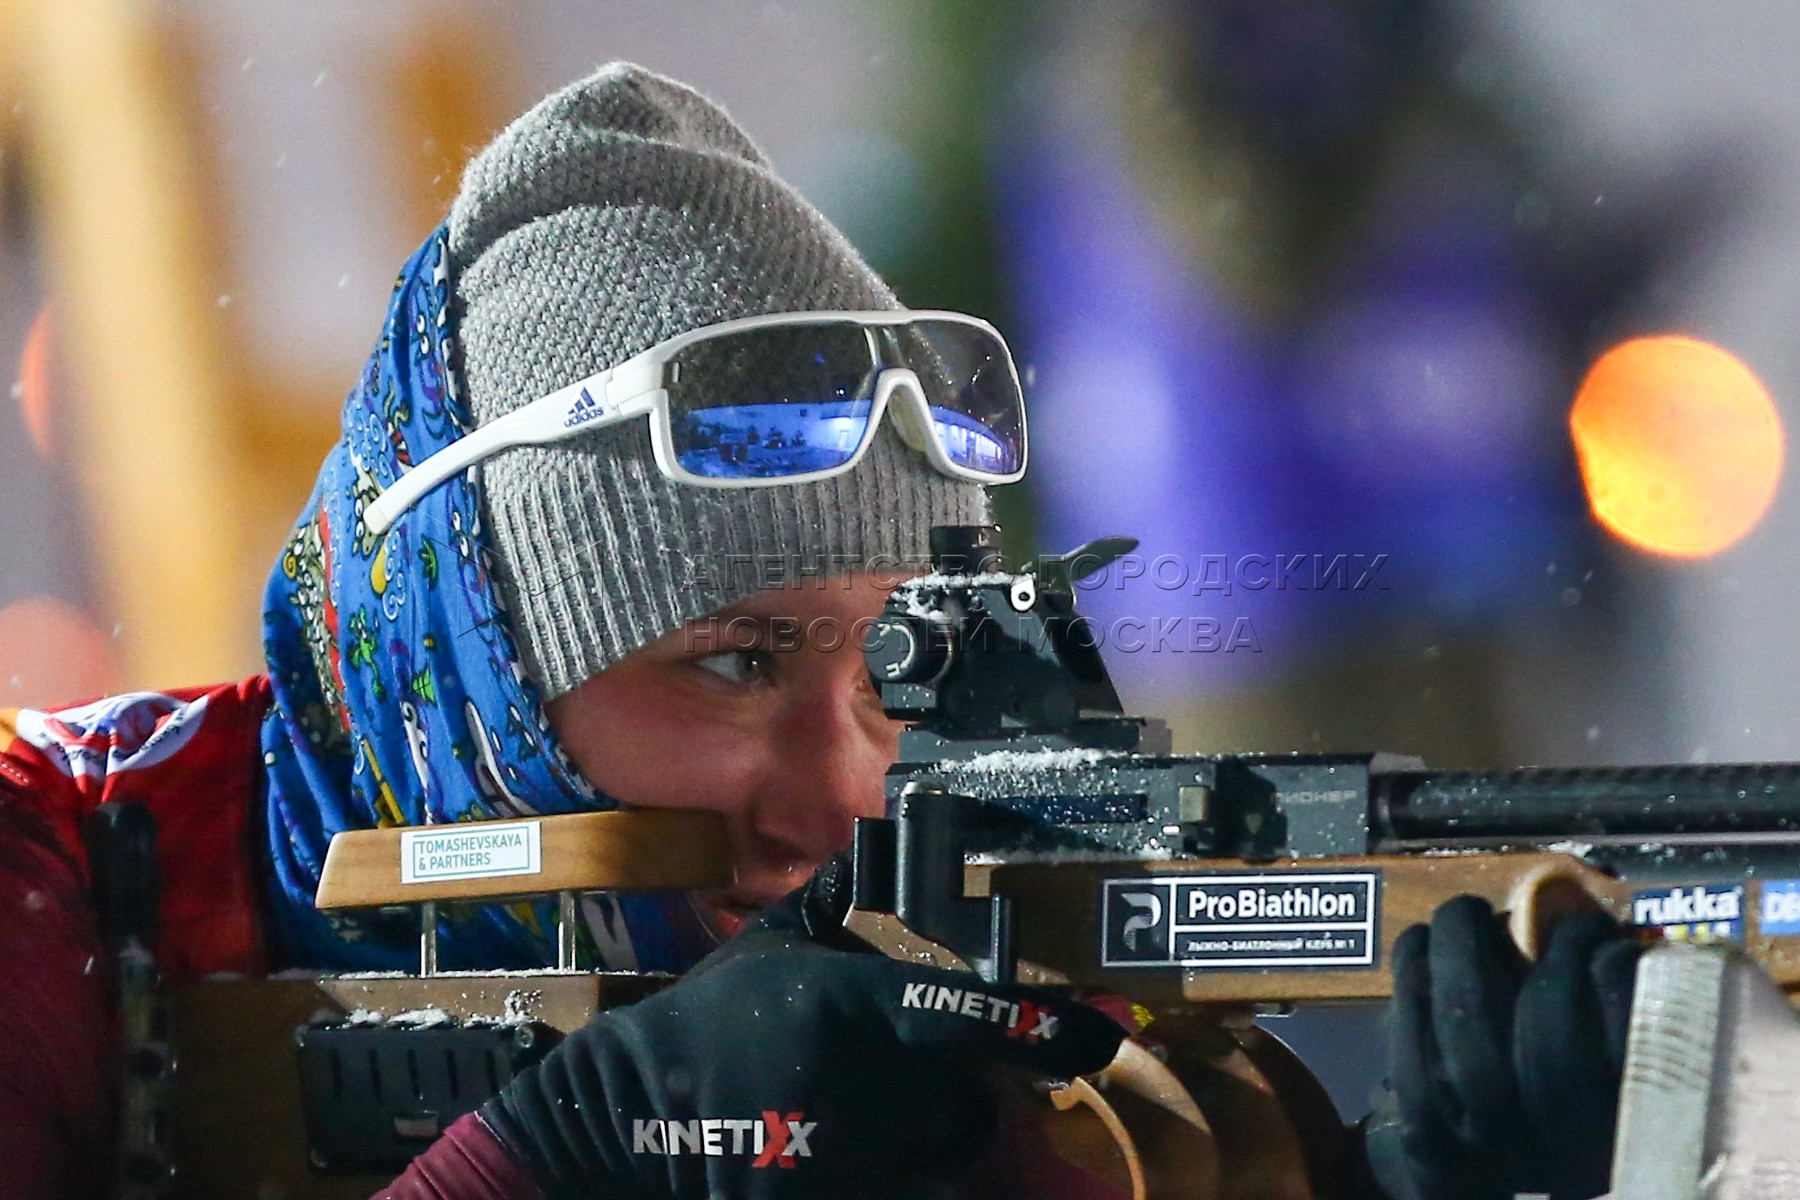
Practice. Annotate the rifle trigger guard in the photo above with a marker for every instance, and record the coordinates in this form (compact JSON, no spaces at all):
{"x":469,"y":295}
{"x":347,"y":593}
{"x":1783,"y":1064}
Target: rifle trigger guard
{"x":1184,"y":1165}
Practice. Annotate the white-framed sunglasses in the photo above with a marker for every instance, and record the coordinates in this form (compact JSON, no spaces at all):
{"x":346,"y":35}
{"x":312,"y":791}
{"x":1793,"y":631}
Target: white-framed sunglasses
{"x":777,"y":399}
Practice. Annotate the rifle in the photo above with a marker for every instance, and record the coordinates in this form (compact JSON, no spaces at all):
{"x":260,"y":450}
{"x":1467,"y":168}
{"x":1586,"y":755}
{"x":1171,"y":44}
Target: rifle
{"x":1035,"y":833}
{"x":1038,"y":833}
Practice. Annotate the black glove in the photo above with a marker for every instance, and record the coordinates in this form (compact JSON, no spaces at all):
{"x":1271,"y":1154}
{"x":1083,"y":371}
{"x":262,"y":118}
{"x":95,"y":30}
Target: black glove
{"x":783,"y":1067}
{"x":1505,"y":1075}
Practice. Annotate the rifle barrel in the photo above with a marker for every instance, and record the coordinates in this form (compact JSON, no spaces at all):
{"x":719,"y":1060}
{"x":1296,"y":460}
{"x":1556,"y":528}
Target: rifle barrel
{"x":1534,"y":802}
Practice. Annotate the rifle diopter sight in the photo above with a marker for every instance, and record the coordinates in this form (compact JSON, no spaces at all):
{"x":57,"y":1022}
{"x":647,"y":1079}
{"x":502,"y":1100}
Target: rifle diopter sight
{"x":973,"y":649}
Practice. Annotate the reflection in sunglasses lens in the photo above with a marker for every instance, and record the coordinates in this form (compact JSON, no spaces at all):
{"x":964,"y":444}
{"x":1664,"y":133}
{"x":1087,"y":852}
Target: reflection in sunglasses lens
{"x":977,"y":413}
{"x":772,"y":403}
{"x":795,"y":400}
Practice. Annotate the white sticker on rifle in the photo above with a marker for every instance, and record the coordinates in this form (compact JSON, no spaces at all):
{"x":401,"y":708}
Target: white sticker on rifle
{"x":1704,"y":912}
{"x":480,"y":850}
{"x":1275,"y":919}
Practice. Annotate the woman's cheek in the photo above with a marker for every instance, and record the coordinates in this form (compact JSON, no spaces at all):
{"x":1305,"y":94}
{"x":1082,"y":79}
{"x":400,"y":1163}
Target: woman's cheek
{"x":646,"y":735}
{"x":677,"y":764}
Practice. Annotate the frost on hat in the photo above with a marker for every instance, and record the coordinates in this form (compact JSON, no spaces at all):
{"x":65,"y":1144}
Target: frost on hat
{"x":618,"y":212}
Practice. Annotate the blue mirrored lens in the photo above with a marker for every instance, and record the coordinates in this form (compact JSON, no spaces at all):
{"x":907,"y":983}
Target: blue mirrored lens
{"x":772,"y":402}
{"x":795,"y":400}
{"x":765,"y":441}
{"x":969,"y":443}
{"x":977,"y":413}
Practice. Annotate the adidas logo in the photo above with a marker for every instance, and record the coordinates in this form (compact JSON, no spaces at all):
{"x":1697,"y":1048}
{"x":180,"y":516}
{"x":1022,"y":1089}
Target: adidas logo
{"x":585,"y":409}
{"x":776,"y":1139}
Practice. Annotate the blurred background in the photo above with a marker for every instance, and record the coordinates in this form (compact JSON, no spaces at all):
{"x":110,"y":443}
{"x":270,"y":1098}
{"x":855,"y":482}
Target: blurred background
{"x":1304,"y":293}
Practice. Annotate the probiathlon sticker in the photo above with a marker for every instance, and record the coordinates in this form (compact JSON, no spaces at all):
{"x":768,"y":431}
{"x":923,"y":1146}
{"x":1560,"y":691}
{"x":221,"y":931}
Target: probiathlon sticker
{"x":1274,"y":919}
{"x":477,"y":850}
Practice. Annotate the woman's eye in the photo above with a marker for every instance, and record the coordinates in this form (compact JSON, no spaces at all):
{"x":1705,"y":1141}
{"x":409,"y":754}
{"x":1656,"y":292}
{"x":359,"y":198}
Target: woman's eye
{"x":737,"y":666}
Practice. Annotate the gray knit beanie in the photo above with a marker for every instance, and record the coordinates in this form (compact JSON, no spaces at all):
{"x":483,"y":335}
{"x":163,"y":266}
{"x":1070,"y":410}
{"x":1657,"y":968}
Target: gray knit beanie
{"x":620,"y":211}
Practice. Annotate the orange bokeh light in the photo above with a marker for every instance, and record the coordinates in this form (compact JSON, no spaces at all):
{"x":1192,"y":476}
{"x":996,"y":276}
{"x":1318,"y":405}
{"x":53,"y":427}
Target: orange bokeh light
{"x":1680,"y":445}
{"x":35,"y":363}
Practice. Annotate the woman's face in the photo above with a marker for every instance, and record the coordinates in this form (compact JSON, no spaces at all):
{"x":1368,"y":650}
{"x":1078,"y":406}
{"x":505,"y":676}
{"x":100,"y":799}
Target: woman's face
{"x":763,"y":713}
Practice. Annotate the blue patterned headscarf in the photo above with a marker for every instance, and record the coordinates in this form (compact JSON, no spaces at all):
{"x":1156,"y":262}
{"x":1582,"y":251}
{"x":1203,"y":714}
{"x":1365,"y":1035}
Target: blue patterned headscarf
{"x":400,"y":695}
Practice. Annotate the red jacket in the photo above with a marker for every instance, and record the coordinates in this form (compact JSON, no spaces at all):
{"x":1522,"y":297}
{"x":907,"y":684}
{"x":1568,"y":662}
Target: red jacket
{"x":193,"y":757}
